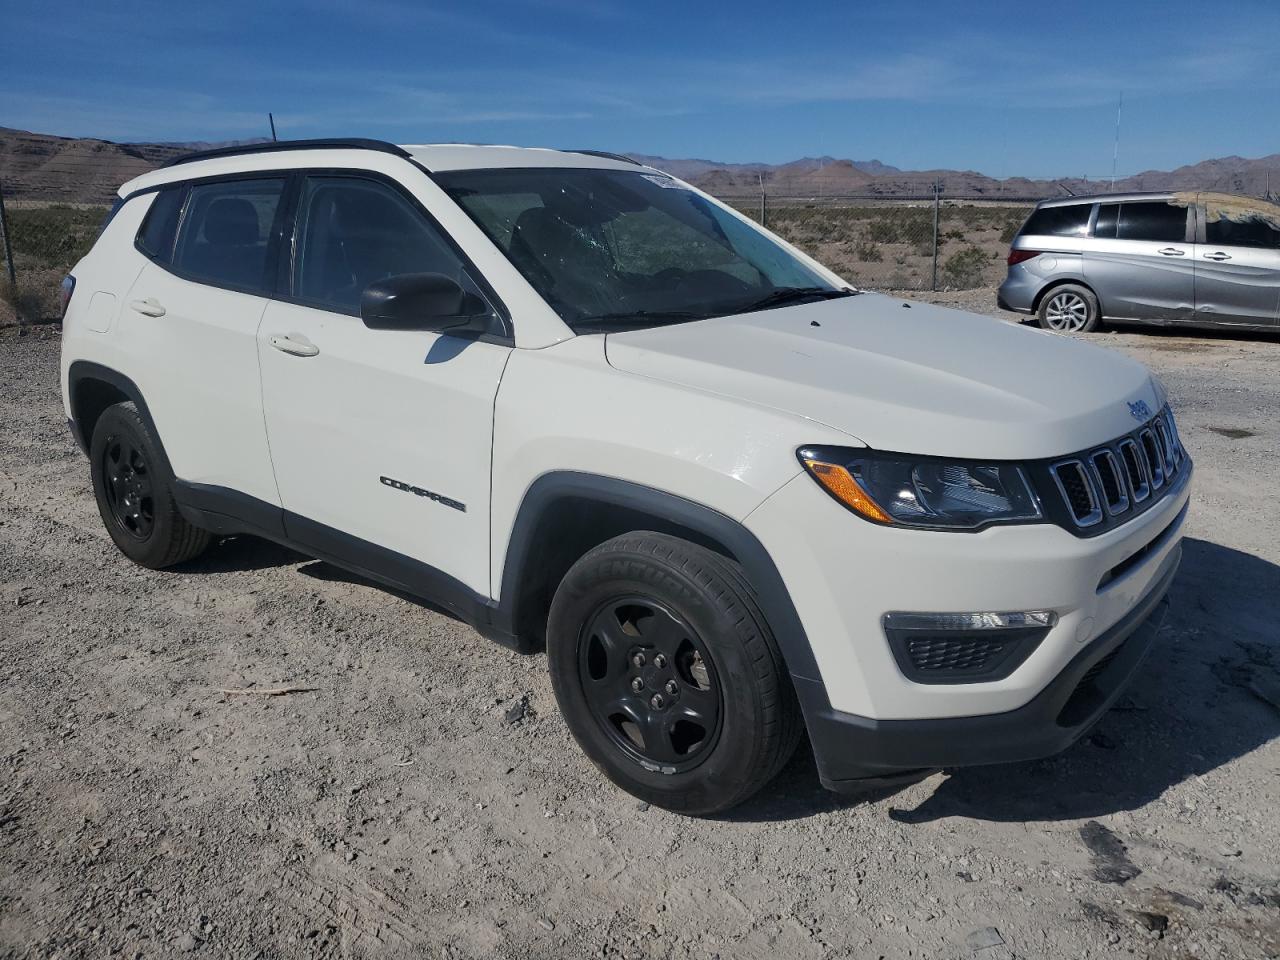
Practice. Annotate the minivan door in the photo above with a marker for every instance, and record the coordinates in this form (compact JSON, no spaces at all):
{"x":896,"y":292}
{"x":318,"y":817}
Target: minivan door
{"x":1141,"y":262}
{"x":381,"y":439}
{"x":1238,"y":267}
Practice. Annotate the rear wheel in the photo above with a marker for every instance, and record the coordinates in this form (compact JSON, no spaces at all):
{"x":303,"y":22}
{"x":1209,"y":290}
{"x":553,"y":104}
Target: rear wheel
{"x":135,"y":492}
{"x":667,"y":674}
{"x":1069,"y":308}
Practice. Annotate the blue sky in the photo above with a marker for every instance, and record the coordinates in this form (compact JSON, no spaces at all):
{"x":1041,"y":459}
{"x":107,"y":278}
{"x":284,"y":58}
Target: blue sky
{"x":1004,"y":88}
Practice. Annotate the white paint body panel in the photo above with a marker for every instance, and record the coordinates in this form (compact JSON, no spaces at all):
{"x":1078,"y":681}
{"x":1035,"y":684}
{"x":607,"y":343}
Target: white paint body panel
{"x":412,"y":406}
{"x":918,"y":379}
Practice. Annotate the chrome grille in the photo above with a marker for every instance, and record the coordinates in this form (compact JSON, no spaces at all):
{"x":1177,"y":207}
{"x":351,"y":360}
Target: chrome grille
{"x":1116,"y":478}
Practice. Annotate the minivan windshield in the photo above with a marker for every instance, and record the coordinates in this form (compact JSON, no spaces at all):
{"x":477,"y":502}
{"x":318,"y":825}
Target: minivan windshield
{"x":617,"y":249}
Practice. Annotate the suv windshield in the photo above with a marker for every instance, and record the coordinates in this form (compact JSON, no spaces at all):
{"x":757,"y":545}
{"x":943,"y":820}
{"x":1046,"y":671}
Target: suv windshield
{"x":613,"y":249}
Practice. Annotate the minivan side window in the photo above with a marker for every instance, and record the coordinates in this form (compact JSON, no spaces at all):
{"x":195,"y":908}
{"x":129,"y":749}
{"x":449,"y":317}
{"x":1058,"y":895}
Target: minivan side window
{"x":1254,"y":232}
{"x":223,"y":238}
{"x":353,"y":232}
{"x":1069,"y":221}
{"x":155,"y":236}
{"x":1152,"y":220}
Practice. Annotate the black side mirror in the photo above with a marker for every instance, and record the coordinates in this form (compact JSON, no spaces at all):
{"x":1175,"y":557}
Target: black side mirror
{"x":422,"y":301}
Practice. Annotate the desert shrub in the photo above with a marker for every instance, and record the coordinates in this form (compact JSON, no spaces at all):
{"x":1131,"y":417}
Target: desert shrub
{"x":966,"y":268}
{"x":868,"y":251}
{"x":1009,"y":229}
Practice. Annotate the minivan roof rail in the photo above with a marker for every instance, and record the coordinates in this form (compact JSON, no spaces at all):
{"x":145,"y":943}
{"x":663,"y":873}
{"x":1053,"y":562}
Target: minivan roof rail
{"x":606,"y":155}
{"x":381,"y":146}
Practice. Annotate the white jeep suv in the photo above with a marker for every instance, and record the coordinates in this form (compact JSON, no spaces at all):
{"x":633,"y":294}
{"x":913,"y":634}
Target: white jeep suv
{"x":582,"y":405}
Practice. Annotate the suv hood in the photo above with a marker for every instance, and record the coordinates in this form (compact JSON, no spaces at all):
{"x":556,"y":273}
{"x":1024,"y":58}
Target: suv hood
{"x":904,"y":377}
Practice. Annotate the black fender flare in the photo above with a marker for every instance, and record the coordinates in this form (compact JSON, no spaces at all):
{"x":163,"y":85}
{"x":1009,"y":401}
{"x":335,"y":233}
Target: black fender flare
{"x":82,"y":370}
{"x":710,"y":524}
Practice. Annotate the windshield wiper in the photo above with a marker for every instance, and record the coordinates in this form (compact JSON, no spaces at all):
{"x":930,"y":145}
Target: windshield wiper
{"x":639,"y":318}
{"x":785,"y":295}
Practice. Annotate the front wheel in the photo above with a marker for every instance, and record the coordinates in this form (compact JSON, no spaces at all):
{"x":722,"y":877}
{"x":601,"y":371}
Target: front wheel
{"x":668,"y":675}
{"x":1069,"y":308}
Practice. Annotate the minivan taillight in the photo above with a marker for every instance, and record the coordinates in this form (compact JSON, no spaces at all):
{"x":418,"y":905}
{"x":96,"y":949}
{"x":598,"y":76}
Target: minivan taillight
{"x":68,"y":288}
{"x":1018,"y":256}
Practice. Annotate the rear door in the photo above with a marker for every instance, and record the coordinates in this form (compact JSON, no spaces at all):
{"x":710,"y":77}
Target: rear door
{"x":1237,"y":268}
{"x":384,"y":436}
{"x":192,"y":320}
{"x":1141,"y":262}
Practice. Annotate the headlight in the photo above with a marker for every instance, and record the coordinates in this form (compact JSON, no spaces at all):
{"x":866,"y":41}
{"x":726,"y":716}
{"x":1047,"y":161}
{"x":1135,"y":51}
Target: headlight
{"x":896,"y":489}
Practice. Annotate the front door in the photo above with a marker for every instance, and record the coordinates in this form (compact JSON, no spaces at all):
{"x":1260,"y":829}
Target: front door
{"x":1141,"y":262}
{"x":381,"y":439}
{"x":1238,"y":269}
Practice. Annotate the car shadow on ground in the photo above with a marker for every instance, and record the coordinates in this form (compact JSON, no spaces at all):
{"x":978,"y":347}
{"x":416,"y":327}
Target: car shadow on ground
{"x":1206,"y":695}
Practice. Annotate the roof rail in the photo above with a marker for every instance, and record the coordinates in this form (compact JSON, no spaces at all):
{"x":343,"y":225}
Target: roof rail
{"x":272,"y":146}
{"x":606,"y":155}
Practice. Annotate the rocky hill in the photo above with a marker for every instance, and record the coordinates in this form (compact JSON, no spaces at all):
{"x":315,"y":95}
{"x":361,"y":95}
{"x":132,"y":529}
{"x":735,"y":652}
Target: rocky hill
{"x":36,"y":166}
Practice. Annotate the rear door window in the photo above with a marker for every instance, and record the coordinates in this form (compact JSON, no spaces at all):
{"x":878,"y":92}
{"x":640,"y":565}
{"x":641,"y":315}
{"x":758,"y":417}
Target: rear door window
{"x":1152,"y":220}
{"x":1254,"y":232}
{"x":1069,"y":221}
{"x":225,"y":234}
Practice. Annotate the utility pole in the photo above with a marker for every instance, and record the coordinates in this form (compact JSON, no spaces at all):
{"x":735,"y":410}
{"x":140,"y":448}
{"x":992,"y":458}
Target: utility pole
{"x":933,"y":285}
{"x":8,"y":253}
{"x":272,"y":121}
{"x":1115,"y":152}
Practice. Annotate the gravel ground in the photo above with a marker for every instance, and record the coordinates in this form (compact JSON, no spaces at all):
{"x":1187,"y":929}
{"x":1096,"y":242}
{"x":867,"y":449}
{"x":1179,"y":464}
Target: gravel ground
{"x":424,"y":799}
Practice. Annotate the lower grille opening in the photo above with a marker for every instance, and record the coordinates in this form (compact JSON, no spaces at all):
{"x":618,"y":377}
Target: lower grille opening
{"x":1135,"y":559}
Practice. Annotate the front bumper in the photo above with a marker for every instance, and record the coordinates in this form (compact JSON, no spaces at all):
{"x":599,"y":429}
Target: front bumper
{"x":852,"y":750}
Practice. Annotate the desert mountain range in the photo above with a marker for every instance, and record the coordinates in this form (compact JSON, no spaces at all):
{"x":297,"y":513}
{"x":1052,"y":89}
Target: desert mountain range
{"x":36,"y":166}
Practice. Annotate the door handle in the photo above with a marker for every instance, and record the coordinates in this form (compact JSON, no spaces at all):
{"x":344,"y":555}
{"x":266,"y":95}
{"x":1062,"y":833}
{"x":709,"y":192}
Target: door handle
{"x":1172,"y":252}
{"x":1217,"y":256}
{"x":295,"y":344}
{"x":149,"y":307}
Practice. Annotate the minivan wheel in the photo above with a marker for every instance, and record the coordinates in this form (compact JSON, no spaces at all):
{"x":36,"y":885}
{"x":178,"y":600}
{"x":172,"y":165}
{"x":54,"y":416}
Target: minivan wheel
{"x":1069,"y":308}
{"x":135,"y":493}
{"x":668,"y":675}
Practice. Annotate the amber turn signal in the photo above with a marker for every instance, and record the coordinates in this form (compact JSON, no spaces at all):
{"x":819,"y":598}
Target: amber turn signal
{"x":839,"y":482}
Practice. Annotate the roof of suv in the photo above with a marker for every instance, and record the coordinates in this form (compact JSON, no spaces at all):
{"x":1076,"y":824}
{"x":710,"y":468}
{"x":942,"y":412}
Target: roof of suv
{"x":1107,"y":198}
{"x":436,"y":157}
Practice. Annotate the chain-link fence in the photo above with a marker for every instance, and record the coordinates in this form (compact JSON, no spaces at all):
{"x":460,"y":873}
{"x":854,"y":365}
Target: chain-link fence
{"x":874,"y":242}
{"x":921,"y":243}
{"x":41,"y":243}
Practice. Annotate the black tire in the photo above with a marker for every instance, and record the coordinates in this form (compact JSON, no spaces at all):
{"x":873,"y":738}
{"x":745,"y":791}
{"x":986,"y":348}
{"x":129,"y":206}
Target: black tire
{"x":135,"y":492}
{"x":623,"y":598}
{"x":1069,"y":308}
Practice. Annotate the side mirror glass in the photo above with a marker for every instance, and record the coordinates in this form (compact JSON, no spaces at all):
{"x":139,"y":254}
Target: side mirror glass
{"x":422,"y":301}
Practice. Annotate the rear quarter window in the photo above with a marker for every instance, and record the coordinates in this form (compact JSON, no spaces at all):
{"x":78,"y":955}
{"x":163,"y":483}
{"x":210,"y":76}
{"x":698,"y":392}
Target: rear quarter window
{"x":1069,"y":221}
{"x":160,"y":225}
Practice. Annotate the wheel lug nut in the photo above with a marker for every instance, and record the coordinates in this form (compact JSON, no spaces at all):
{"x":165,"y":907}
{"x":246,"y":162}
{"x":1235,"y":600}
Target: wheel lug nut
{"x":656,"y":701}
{"x":637,"y":684}
{"x":638,"y":660}
{"x":660,"y":661}
{"x":672,"y":687}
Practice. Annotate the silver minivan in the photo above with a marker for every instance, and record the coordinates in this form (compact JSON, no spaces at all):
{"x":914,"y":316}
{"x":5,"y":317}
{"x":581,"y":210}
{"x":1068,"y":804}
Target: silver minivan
{"x":1199,"y":259}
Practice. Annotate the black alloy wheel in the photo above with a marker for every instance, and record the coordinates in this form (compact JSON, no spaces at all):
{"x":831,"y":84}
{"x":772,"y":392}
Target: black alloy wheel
{"x":650,"y":682}
{"x":127,"y":478}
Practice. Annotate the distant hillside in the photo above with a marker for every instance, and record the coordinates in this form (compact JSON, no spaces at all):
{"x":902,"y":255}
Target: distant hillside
{"x":35,"y":166}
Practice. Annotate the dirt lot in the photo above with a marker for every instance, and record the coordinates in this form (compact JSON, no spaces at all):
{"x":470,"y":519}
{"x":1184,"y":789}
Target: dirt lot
{"x":424,"y":799}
